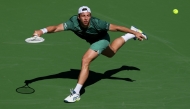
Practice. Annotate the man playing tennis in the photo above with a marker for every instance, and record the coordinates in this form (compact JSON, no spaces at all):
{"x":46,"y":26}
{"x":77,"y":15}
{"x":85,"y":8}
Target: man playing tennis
{"x":95,"y":32}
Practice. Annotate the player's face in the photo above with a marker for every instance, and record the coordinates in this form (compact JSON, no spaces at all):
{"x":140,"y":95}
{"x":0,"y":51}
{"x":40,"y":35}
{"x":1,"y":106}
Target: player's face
{"x":84,"y":18}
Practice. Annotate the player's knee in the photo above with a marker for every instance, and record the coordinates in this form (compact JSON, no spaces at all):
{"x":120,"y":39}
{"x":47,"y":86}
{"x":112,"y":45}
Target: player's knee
{"x":112,"y":53}
{"x":85,"y":61}
{"x":109,"y":53}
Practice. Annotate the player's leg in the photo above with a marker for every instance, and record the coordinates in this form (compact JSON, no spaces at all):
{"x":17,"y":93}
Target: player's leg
{"x":96,"y":48}
{"x":88,"y":57}
{"x":113,"y":47}
{"x":118,"y":43}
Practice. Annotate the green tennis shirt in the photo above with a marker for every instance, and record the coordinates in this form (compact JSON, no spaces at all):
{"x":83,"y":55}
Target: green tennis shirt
{"x":96,"y":30}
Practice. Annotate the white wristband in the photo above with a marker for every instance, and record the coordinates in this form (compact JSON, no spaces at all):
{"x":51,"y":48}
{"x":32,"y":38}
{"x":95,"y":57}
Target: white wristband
{"x":44,"y":30}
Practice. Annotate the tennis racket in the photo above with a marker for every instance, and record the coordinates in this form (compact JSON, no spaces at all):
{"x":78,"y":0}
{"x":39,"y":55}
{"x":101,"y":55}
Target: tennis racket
{"x":34,"y":39}
{"x":25,"y":89}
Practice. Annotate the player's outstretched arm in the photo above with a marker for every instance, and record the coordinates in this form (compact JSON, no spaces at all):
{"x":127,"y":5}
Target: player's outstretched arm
{"x":49,"y":29}
{"x":113,"y":27}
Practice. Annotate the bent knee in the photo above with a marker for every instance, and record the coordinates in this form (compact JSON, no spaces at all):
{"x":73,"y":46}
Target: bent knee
{"x":86,"y":61}
{"x":109,"y":52}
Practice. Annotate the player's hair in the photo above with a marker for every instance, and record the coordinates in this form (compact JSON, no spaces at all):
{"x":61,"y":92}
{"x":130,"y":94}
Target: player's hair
{"x":80,"y":13}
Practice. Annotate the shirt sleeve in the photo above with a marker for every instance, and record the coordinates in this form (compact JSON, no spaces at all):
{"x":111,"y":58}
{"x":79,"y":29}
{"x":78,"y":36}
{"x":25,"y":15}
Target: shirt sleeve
{"x":68,"y":25}
{"x":103,"y":25}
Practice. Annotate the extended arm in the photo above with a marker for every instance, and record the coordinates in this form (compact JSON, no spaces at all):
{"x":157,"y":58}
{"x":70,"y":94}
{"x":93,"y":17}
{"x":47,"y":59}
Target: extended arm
{"x":49,"y":29}
{"x":121,"y":29}
{"x":113,"y":27}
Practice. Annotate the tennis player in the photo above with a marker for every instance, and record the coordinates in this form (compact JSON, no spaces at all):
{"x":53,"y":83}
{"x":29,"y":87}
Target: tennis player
{"x":95,"y":32}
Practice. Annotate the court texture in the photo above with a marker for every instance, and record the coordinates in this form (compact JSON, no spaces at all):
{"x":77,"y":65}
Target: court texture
{"x":152,"y":74}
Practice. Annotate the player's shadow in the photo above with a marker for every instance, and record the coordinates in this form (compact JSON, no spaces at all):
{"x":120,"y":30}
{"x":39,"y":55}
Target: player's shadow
{"x":93,"y":76}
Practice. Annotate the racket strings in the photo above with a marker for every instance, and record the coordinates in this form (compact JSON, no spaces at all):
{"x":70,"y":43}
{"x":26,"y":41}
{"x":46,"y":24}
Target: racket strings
{"x":34,"y":39}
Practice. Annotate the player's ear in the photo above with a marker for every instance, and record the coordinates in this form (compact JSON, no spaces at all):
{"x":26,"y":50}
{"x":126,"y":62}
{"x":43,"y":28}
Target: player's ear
{"x":78,"y":16}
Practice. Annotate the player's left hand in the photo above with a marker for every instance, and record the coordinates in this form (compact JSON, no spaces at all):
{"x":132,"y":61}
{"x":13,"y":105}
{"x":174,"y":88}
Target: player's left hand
{"x":140,"y":36}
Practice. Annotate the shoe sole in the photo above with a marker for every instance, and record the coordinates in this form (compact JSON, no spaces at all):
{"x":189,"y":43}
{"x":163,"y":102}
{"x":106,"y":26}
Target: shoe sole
{"x":72,"y":102}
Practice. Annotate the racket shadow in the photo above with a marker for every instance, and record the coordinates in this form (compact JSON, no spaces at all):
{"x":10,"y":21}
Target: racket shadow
{"x":93,"y":78}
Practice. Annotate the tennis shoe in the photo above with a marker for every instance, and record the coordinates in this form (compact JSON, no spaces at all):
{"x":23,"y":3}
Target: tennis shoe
{"x":73,"y":97}
{"x":138,"y":30}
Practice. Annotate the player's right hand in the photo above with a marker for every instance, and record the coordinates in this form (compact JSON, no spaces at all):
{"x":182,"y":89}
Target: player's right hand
{"x":140,"y":36}
{"x":37,"y":33}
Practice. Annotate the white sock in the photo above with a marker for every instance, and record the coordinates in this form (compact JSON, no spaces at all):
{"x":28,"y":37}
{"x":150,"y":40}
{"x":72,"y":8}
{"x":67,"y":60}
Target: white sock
{"x":128,"y":36}
{"x":78,"y":88}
